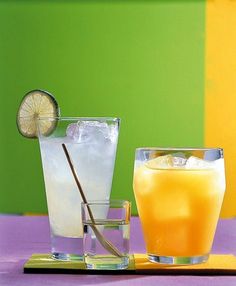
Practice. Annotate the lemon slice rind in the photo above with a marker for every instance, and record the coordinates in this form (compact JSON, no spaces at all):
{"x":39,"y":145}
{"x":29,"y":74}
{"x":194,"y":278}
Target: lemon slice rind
{"x":36,"y":104}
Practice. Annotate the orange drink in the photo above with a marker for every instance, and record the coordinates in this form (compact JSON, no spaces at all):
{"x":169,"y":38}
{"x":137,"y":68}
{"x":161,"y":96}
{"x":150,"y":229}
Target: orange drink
{"x":179,"y":194}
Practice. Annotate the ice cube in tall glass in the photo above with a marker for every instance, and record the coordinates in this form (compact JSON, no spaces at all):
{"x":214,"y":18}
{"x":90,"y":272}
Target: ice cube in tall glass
{"x":91,"y":143}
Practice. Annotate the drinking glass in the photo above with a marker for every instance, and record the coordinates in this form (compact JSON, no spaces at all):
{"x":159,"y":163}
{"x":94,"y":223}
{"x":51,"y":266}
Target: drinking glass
{"x":179,"y":193}
{"x":112,"y":220}
{"x":91,"y":144}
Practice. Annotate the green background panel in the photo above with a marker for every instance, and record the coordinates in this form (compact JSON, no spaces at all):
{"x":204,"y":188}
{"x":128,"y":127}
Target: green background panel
{"x":142,"y":61}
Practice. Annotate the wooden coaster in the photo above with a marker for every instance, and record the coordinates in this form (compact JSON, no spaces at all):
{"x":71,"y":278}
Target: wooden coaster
{"x":43,"y":263}
{"x":139,"y":264}
{"x":216,"y":265}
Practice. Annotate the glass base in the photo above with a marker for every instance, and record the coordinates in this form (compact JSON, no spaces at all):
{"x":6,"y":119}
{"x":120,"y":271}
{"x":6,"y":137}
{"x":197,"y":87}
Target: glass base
{"x":66,"y":257}
{"x":178,"y":260}
{"x":106,"y":263}
{"x":66,"y":248}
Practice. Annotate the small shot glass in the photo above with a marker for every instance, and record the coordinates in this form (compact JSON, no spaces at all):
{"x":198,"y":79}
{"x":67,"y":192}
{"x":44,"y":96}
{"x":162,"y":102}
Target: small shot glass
{"x":106,"y":237}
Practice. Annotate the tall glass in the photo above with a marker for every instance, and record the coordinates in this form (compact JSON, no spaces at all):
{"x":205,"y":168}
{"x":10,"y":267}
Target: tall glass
{"x":91,"y":143}
{"x":179,"y":193}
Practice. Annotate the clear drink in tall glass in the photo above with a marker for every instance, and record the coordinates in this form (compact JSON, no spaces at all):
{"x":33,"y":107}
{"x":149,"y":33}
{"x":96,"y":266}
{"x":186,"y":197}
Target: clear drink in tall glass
{"x":91,"y":143}
{"x":179,"y":193}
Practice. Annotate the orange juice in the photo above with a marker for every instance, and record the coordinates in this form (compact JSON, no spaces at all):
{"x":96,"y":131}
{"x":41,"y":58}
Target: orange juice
{"x":178,"y":207}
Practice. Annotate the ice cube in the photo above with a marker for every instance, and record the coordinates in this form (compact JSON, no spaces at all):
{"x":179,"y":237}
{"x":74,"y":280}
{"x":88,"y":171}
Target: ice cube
{"x":178,"y":162}
{"x":72,"y":130}
{"x":197,"y":163}
{"x":166,"y":162}
{"x":93,"y":130}
{"x":113,"y":133}
{"x":88,"y":131}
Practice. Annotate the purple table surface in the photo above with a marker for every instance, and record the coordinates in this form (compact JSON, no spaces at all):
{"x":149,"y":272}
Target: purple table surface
{"x":21,"y":236}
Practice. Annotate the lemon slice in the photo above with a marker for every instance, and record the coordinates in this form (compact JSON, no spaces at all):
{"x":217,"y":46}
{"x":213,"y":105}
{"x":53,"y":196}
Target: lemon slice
{"x":36,"y":103}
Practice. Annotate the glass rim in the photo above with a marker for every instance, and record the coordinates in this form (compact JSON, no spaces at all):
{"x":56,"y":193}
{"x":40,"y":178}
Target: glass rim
{"x":73,"y":118}
{"x":106,"y":202}
{"x":179,"y":149}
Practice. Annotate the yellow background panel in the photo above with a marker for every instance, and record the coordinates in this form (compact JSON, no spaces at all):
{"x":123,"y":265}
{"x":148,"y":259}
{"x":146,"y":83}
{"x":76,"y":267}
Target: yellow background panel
{"x":220,"y":90}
